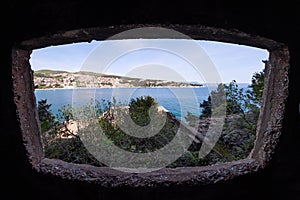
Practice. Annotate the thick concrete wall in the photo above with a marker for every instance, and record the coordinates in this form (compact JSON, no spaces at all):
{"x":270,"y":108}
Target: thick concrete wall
{"x":36,"y":18}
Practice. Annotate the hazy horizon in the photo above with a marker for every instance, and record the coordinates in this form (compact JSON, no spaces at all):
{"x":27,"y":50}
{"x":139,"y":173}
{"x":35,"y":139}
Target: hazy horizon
{"x":233,"y":62}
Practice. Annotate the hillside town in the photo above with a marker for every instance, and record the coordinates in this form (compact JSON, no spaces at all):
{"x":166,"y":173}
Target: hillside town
{"x":47,"y":79}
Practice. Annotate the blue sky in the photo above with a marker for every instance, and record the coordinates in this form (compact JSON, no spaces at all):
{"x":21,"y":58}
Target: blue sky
{"x":158,"y":60}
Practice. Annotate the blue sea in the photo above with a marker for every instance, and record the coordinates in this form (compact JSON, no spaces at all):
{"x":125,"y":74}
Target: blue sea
{"x":178,"y":101}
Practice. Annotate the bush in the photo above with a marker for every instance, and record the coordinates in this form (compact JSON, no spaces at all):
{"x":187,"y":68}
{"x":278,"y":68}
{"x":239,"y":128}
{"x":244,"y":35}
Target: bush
{"x":236,"y":141}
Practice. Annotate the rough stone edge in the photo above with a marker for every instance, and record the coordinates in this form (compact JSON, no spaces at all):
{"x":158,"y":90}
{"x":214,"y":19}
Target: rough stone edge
{"x":269,"y":134}
{"x":195,"y":31}
{"x":272,"y":113}
{"x":25,"y":102}
{"x":107,"y":177}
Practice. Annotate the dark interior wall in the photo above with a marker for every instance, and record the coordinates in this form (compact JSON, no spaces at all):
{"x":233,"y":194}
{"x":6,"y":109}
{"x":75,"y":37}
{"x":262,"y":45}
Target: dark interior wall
{"x":277,"y":21}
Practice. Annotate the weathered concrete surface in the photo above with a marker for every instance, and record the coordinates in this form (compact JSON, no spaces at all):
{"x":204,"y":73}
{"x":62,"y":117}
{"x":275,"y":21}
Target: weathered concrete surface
{"x":25,"y":101}
{"x":107,"y":177}
{"x":270,"y":122}
{"x":269,"y":127}
{"x":277,"y":20}
{"x":197,"y":32}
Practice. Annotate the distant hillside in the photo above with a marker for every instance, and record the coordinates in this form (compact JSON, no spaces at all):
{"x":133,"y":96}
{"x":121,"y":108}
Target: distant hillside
{"x":44,"y":79}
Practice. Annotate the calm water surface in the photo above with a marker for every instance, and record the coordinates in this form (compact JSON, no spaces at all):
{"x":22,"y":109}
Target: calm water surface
{"x":179,"y":101}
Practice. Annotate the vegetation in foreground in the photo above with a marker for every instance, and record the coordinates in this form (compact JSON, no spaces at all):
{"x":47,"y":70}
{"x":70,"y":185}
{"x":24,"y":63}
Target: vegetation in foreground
{"x":61,"y":140}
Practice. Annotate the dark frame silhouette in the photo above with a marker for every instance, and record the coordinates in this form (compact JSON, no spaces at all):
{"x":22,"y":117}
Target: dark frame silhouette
{"x":268,"y":130}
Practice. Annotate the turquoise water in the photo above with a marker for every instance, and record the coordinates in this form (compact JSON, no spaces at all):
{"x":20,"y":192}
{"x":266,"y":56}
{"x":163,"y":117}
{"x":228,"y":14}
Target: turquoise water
{"x":178,"y":101}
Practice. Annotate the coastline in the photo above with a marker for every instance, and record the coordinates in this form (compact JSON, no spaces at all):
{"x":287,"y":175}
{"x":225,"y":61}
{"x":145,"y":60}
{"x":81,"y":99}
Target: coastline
{"x":52,"y":80}
{"x":71,"y":88}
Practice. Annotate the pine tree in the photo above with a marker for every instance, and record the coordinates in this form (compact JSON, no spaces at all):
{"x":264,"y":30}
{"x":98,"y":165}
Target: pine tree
{"x":47,"y":119}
